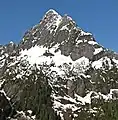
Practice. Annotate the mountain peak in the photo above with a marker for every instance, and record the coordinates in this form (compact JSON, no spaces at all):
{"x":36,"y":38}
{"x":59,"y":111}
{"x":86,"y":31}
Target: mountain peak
{"x":50,"y":14}
{"x":57,"y":72}
{"x":55,"y":29}
{"x":52,"y":11}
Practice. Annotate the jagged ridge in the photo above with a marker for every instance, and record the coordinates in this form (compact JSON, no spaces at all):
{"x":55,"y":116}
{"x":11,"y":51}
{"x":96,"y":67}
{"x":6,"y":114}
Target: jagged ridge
{"x":72,"y":68}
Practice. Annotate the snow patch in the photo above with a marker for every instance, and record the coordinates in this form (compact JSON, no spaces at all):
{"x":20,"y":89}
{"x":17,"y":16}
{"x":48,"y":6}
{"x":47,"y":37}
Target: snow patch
{"x":81,"y":65}
{"x":52,"y":10}
{"x":92,"y":42}
{"x":97,"y":50}
{"x":86,"y":99}
{"x":64,"y":28}
{"x":85,"y":33}
{"x":99,"y":64}
{"x":115,"y":61}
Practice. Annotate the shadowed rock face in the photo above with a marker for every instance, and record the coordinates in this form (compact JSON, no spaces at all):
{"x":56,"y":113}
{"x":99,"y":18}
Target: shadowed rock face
{"x":6,"y":109}
{"x":58,"y":71}
{"x":83,"y":49}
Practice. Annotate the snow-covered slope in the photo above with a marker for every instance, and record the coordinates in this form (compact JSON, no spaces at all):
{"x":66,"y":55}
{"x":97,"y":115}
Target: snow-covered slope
{"x":57,"y":66}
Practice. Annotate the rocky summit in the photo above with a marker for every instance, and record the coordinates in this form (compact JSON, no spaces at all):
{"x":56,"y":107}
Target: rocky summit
{"x":58,"y":72}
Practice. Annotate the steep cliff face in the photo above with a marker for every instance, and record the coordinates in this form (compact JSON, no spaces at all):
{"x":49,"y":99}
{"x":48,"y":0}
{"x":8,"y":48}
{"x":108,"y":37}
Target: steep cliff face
{"x":58,"y":71}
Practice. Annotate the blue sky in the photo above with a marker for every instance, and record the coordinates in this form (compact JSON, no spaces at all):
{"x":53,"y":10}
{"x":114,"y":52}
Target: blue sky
{"x":97,"y":16}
